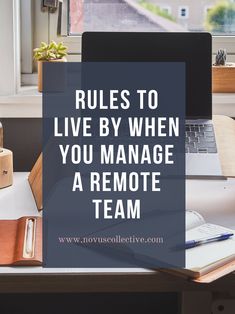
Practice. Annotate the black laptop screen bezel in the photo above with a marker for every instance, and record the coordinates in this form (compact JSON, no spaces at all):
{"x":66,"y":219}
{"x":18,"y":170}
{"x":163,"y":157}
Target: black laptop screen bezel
{"x":192,"y":48}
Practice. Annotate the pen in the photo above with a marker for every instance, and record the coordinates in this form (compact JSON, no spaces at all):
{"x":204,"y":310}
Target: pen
{"x":29,"y":238}
{"x":220,"y":237}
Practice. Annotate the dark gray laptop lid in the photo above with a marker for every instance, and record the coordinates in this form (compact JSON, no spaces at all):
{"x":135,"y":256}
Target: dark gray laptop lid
{"x":192,"y":48}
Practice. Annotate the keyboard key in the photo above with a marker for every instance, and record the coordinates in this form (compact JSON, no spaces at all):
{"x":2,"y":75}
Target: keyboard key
{"x":206,"y":139}
{"x":194,"y":139}
{"x":212,"y":150}
{"x":191,"y":144}
{"x":189,"y":134}
{"x":207,"y":145}
{"x":202,"y":150}
{"x":208,"y":128}
{"x":192,"y":150}
{"x":200,"y":134}
{"x":209,"y":134}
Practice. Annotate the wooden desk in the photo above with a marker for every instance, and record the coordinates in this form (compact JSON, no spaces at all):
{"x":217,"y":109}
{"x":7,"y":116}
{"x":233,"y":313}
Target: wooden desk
{"x":208,"y":197}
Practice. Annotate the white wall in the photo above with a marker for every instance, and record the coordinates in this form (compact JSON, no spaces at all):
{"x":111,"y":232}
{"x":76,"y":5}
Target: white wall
{"x":9,"y":46}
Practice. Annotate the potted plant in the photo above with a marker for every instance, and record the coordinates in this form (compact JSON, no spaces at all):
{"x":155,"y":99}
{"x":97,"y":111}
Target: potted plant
{"x":223,"y":74}
{"x":51,"y":52}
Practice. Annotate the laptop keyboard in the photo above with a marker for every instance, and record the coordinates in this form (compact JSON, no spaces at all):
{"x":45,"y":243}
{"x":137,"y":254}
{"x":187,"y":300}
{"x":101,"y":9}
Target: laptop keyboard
{"x":200,"y":138}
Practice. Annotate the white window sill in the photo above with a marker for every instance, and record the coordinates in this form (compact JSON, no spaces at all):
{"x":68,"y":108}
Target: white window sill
{"x":28,"y":104}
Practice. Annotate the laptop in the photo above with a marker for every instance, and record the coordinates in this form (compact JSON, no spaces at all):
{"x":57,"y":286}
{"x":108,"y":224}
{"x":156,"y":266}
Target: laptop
{"x":192,"y":48}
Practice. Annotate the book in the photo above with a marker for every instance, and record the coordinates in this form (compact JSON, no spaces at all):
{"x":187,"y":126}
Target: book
{"x":210,"y":261}
{"x":21,"y":241}
{"x":203,"y":263}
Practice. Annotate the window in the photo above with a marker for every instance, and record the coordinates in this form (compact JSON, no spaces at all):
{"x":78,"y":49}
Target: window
{"x":113,"y":15}
{"x":166,"y":8}
{"x":215,"y":16}
{"x":146,"y":15}
{"x":73,"y":17}
{"x":183,"y":12}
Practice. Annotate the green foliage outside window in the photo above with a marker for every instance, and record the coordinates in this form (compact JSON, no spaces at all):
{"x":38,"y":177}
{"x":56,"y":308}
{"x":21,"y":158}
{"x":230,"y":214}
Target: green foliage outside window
{"x":155,"y":9}
{"x":221,"y":17}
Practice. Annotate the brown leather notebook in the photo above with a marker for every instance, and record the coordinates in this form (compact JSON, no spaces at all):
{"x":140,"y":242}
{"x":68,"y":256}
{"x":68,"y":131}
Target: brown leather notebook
{"x":21,"y":241}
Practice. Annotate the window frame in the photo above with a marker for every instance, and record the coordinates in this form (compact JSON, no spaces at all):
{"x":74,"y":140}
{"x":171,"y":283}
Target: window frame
{"x":74,"y":43}
{"x":26,"y":15}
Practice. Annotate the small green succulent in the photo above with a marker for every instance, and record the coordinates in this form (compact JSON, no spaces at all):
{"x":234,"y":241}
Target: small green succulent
{"x":221,"y":56}
{"x":52,"y":51}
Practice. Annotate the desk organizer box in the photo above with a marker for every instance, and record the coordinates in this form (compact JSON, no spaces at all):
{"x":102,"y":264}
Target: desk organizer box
{"x":6,"y":168}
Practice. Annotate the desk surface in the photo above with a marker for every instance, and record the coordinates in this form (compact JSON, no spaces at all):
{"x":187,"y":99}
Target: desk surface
{"x":214,"y":199}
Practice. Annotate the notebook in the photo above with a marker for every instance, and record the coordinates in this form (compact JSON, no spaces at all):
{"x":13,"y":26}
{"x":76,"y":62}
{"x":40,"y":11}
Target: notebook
{"x":21,"y":241}
{"x":210,"y":261}
{"x":204,"y":263}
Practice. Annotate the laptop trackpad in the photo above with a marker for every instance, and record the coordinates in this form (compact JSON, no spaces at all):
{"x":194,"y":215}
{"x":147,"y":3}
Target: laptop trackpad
{"x":203,"y":165}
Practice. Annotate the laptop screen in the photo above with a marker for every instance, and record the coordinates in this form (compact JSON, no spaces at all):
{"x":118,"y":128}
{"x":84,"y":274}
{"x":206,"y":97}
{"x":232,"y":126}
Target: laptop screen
{"x":192,"y":48}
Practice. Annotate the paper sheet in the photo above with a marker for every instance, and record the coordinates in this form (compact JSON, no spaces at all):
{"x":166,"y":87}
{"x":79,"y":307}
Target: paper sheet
{"x":202,"y":256}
